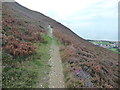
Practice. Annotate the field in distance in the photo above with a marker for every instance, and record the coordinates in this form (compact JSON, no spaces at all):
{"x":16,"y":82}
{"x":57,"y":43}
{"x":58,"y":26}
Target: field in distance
{"x":111,"y":45}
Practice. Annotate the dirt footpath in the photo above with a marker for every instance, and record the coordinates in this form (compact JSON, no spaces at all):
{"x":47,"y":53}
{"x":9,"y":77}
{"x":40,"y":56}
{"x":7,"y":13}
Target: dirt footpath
{"x":56,"y":74}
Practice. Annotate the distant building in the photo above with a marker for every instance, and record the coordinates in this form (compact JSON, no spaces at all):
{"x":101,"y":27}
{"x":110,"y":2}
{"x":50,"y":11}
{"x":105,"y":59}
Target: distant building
{"x":110,"y":45}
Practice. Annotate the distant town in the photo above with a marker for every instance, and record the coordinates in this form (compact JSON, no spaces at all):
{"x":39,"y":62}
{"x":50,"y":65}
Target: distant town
{"x":112,"y":45}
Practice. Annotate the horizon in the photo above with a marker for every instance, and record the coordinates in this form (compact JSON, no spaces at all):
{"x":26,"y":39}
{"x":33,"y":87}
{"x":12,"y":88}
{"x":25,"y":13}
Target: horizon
{"x":92,"y":20}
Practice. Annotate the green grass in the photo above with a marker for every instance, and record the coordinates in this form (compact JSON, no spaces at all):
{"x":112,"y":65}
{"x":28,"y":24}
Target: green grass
{"x":104,"y":43}
{"x":47,"y":38}
{"x":115,"y":50}
{"x":101,"y":42}
{"x":23,"y":30}
{"x":27,"y":72}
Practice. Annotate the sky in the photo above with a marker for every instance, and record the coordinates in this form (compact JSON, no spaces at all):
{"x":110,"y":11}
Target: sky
{"x":90,"y":19}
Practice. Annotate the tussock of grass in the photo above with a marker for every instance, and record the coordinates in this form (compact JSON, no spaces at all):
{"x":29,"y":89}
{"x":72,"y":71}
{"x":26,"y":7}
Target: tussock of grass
{"x":47,"y":39}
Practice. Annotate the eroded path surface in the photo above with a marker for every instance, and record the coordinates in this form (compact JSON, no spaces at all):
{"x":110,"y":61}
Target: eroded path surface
{"x":56,"y":74}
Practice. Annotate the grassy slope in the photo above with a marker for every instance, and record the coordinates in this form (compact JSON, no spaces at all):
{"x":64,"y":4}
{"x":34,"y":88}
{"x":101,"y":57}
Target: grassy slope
{"x":26,"y":72}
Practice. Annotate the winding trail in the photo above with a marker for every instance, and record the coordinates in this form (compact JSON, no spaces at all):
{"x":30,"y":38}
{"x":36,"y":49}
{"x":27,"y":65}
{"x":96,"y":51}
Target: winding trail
{"x":56,"y":74}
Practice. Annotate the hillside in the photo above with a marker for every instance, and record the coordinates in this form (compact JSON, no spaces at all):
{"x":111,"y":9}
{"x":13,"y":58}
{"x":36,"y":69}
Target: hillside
{"x":84,"y":64}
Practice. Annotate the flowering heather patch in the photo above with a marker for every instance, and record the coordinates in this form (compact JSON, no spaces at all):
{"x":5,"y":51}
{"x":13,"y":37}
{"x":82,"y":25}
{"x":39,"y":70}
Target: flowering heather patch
{"x":8,"y":20}
{"x":20,"y":30}
{"x":98,"y":67}
{"x":17,"y":47}
{"x":34,"y":37}
{"x":77,"y":71}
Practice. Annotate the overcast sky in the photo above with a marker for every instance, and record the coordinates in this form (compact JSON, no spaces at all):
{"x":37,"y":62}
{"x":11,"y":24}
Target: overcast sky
{"x":90,"y":19}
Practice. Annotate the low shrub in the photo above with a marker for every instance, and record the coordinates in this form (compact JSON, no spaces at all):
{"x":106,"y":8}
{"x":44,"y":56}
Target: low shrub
{"x":17,"y":47}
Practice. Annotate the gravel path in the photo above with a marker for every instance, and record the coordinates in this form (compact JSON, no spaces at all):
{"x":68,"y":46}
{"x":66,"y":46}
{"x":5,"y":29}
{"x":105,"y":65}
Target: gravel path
{"x":56,"y":74}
